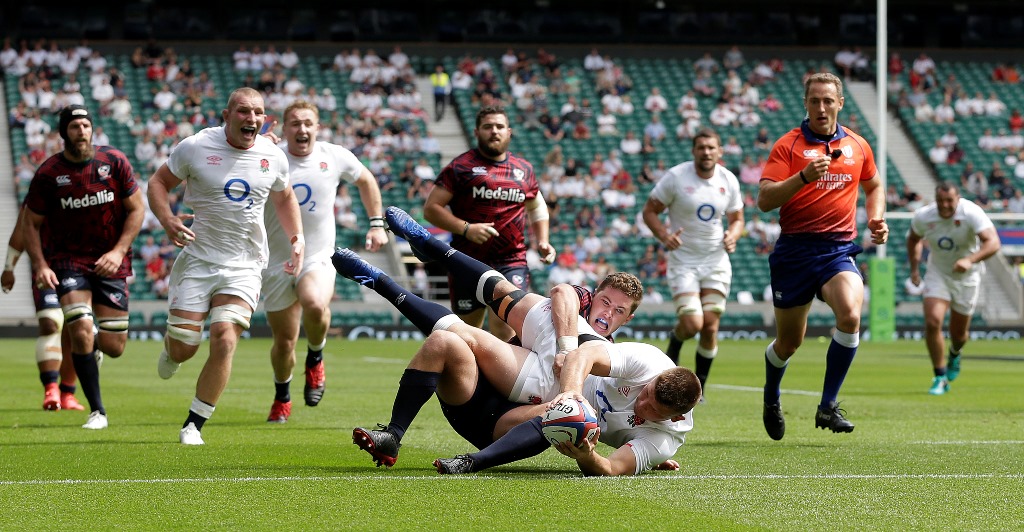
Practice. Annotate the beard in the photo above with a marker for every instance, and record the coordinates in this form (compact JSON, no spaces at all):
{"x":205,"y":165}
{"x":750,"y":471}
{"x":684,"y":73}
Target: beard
{"x":81,"y":150}
{"x":493,"y":152}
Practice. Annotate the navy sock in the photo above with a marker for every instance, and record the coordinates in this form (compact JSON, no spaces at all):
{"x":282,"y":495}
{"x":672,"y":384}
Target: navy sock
{"x":49,"y":377}
{"x":523,"y":441}
{"x":282,"y":391}
{"x":195,"y":418}
{"x":939,"y":372}
{"x":702,"y":368}
{"x":414,"y":390}
{"x":89,"y":377}
{"x":67,"y":388}
{"x":674,"y":345}
{"x":772,"y":378}
{"x":313,"y":357}
{"x":837,"y":364}
{"x":422,"y":313}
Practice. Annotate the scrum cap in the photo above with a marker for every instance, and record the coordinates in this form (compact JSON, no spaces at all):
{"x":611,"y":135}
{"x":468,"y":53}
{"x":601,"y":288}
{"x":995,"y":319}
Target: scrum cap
{"x":70,"y":113}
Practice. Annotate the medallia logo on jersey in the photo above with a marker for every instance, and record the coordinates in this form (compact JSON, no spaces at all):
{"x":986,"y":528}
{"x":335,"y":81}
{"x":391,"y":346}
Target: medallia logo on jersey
{"x":103,"y":172}
{"x":99,"y":198}
{"x":518,"y":174}
{"x":513,"y":195}
{"x":323,"y":166}
{"x":63,"y":180}
{"x":264,"y":165}
{"x":479,"y":170}
{"x":213,"y":160}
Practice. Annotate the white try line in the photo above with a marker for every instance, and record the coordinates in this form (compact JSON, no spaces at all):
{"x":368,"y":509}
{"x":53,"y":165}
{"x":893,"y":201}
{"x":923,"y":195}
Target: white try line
{"x":435,"y":478}
{"x":969,"y":442}
{"x":759,"y":390}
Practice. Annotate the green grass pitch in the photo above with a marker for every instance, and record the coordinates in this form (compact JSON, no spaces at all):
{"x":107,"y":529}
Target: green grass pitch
{"x":914,"y":461}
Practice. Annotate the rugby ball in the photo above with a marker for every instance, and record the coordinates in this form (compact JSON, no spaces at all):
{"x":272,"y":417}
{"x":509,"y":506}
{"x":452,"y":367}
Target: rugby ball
{"x":569,"y":420}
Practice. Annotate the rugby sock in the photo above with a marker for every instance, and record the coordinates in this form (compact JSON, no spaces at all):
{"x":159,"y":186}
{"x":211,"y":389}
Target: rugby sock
{"x":523,"y":441}
{"x":425,"y":315}
{"x":837,"y":362}
{"x":674,"y":345}
{"x":199,"y":413}
{"x":774,"y":369}
{"x":68,"y":388}
{"x":282,"y":390}
{"x":315,"y":354}
{"x":89,"y":375}
{"x":414,"y":390}
{"x":939,"y":372}
{"x":49,"y":377}
{"x":703,"y":362}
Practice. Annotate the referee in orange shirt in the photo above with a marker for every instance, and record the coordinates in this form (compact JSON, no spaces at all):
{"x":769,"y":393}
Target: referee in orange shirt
{"x":812,"y":177}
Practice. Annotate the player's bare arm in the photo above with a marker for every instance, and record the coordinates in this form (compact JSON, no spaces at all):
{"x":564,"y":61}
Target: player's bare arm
{"x":135,"y":211}
{"x":287,"y":208}
{"x":773,"y":194}
{"x":733,"y":231}
{"x":537,"y":212}
{"x":990,"y":245}
{"x":369,"y":194}
{"x":436,"y":211}
{"x":160,"y":185}
{"x":15,"y":247}
{"x":874,"y":197}
{"x":914,"y":247}
{"x":652,"y":211}
{"x":41,"y":272}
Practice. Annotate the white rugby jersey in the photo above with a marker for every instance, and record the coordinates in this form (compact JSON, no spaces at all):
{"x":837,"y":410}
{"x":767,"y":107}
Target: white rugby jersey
{"x":950,"y":239}
{"x":697,"y":205}
{"x":315,"y":179}
{"x":633,"y":365}
{"x":227,"y":188}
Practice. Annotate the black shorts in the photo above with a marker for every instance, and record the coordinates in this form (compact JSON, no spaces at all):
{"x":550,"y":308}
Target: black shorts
{"x":44,"y":298}
{"x":106,"y":291}
{"x":463,"y":296}
{"x":475,"y":419}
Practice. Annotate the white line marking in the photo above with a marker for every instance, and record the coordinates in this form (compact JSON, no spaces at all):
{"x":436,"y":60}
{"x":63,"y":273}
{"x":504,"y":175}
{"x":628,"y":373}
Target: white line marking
{"x":969,"y":442}
{"x":370,"y":477}
{"x":760,"y":390}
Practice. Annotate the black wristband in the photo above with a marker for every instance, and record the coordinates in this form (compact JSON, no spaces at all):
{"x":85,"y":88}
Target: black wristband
{"x":804,"y":179}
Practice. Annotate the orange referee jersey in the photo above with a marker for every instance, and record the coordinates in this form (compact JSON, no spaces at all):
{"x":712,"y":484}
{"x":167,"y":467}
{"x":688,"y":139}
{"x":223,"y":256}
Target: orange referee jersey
{"x":828,"y":207}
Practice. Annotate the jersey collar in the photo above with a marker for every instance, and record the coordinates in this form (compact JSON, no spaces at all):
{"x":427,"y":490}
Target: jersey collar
{"x":812,"y":138}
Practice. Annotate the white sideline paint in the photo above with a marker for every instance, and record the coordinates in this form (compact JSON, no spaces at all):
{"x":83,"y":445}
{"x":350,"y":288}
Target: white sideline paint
{"x":969,"y":442}
{"x":760,"y":390}
{"x":350,"y":478}
{"x":386,"y":360}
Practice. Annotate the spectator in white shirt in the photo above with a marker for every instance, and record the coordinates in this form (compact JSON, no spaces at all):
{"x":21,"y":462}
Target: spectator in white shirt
{"x":630,"y":144}
{"x":100,"y":137}
{"x":994,"y":106}
{"x":289,"y":59}
{"x":593,"y":61}
{"x":938,"y":154}
{"x":655,"y":102}
{"x":165,"y":98}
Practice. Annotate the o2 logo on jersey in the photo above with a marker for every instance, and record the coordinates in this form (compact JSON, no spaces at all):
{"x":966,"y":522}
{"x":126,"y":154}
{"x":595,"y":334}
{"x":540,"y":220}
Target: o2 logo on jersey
{"x":945,"y":243}
{"x":706,"y":212}
{"x":304,"y":195}
{"x":237,"y":190}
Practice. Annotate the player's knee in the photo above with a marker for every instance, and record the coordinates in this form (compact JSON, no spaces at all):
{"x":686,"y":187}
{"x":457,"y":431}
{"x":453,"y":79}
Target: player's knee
{"x":51,"y":321}
{"x":186,"y":331}
{"x":48,"y":347}
{"x":687,"y":305}
{"x":713,"y":303}
{"x":229,"y":313}
{"x":113,"y":324}
{"x":77,"y":312}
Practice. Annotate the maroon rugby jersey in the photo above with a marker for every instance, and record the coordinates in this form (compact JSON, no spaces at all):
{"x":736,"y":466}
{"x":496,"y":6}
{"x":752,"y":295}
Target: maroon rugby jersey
{"x":487,"y":191}
{"x":84,"y":208}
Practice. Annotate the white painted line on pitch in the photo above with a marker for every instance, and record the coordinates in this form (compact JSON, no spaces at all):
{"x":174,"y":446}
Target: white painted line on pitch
{"x":386,"y":360}
{"x":969,"y":442}
{"x":351,"y":478}
{"x":760,"y":390}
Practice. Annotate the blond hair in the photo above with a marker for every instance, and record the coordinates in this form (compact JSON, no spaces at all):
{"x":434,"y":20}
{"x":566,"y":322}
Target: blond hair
{"x":824,"y":77}
{"x":298,"y":105}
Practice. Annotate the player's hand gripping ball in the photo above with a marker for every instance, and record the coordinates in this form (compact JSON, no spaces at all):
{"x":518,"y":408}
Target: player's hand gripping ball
{"x":569,"y":420}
